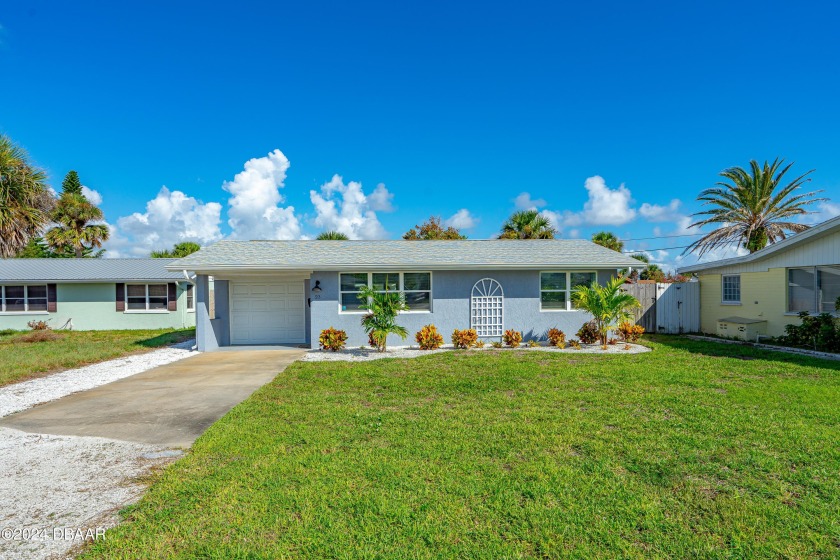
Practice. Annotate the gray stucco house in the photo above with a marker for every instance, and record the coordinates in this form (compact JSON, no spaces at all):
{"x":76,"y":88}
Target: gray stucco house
{"x":286,"y":292}
{"x":95,"y":294}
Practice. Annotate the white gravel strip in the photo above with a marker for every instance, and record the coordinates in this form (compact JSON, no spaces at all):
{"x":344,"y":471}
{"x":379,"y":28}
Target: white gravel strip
{"x":26,"y":394}
{"x":57,"y":490}
{"x":367,"y":354}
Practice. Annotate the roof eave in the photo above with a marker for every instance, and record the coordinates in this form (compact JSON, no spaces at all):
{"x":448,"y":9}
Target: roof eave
{"x":407,"y":266}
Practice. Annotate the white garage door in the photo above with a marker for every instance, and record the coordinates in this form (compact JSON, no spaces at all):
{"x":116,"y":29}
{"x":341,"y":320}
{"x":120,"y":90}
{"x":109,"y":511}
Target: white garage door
{"x":267,"y":313}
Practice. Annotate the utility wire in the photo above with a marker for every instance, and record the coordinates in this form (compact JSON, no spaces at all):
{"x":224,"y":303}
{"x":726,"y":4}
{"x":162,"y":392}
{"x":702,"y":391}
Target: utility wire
{"x":657,"y":249}
{"x":661,"y":237}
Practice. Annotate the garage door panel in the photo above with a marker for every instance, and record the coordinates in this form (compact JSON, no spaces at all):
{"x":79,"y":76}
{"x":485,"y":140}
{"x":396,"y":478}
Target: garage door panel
{"x":267,"y":312}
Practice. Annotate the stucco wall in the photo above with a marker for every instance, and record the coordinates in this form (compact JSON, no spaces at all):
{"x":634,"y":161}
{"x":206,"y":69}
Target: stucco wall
{"x":763,"y":296}
{"x":451,"y":306}
{"x":92,"y":307}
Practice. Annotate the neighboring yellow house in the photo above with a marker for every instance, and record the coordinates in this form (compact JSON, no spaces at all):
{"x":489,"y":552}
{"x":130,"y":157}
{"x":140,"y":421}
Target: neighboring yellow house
{"x":758,"y":294}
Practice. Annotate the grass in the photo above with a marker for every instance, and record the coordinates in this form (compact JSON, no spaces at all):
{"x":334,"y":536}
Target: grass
{"x":24,"y":355}
{"x":695,"y":450}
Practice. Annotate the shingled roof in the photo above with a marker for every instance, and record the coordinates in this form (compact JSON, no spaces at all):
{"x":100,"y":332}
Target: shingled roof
{"x":433,"y":255}
{"x":86,"y":270}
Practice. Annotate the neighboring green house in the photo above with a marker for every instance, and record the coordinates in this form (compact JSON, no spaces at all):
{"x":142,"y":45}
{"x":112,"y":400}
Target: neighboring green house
{"x":758,"y":294}
{"x":94,"y":294}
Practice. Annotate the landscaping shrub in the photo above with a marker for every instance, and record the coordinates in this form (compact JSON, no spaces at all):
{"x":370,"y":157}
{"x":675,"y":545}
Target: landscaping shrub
{"x":464,"y":339}
{"x":817,"y":332}
{"x":556,"y":337}
{"x":630,"y":332}
{"x":38,"y":325}
{"x":429,"y":338}
{"x":40,"y":336}
{"x":382,"y":308}
{"x":588,"y":333}
{"x":479,"y":343}
{"x":332,"y":339}
{"x":574,"y":343}
{"x":496,"y":344}
{"x":512,"y":338}
{"x":533,"y":343}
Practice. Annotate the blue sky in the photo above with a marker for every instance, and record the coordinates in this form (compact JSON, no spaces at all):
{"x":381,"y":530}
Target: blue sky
{"x":456,"y":110}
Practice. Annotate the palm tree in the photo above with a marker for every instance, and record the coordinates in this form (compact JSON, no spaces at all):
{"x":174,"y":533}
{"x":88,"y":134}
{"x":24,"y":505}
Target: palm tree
{"x":74,"y":231}
{"x":25,"y":199}
{"x":432,"y":229}
{"x":332,"y":236}
{"x":527,"y":224}
{"x":752,"y":208}
{"x":609,"y":240}
{"x":608,"y":304}
{"x":179,"y":251}
{"x":381,"y":317}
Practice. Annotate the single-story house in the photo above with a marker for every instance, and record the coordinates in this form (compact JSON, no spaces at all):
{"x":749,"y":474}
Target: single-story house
{"x":287,"y":292}
{"x":760,"y":293}
{"x":95,"y":294}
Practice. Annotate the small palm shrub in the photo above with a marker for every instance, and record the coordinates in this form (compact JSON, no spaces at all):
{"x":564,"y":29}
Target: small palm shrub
{"x":332,"y":339}
{"x":630,"y":332}
{"x":464,"y":339}
{"x":608,"y":304}
{"x":556,"y":337}
{"x":429,"y":338}
{"x":574,"y":343}
{"x":588,"y":333}
{"x":479,"y":343}
{"x":512,"y":338}
{"x":381,"y":317}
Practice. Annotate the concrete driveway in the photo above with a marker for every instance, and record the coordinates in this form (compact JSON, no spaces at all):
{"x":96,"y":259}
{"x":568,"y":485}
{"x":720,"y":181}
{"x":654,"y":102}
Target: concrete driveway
{"x":170,"y":405}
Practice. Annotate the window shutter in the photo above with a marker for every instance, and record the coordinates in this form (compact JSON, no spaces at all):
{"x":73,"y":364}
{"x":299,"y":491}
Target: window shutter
{"x":173,"y":297}
{"x":52,"y":298}
{"x":120,"y":297}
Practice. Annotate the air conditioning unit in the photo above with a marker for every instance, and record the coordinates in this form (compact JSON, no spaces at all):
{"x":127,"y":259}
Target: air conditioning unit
{"x":742,"y":328}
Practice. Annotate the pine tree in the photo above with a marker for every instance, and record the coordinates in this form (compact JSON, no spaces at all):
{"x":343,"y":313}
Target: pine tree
{"x":71,"y":183}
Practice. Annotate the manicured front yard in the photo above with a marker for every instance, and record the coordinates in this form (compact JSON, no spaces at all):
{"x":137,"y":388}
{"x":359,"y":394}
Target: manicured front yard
{"x":21,"y":360}
{"x":693,"y":450}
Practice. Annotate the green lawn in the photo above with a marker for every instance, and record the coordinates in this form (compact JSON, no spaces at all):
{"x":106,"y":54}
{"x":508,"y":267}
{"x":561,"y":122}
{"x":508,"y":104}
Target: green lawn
{"x":21,"y":360}
{"x":696,"y":450}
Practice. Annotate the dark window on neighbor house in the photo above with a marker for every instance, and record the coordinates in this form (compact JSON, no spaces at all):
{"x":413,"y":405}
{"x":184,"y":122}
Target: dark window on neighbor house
{"x":731,"y":288}
{"x":22,"y":299}
{"x":814,"y":289}
{"x":146,"y":297}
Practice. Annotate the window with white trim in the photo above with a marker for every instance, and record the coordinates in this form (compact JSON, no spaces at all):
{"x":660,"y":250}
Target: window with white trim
{"x":23,"y":299}
{"x":190,"y":297}
{"x":146,"y":297}
{"x":556,"y":288}
{"x":415,"y":286}
{"x":731,"y":288}
{"x":814,"y":289}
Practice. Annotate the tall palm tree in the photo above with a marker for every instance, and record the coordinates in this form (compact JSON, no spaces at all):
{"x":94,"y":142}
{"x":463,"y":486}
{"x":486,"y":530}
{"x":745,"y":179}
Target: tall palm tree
{"x":332,"y":235}
{"x":75,"y":231}
{"x":609,"y":240}
{"x":527,"y":224}
{"x":752,"y":208}
{"x":25,"y":199}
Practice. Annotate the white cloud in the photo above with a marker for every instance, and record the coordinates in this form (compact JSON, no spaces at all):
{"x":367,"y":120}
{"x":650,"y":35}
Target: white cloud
{"x":93,"y":196}
{"x":345,"y":208}
{"x":605,"y":206}
{"x":171,"y":217}
{"x":825,"y":211}
{"x":380,"y":199}
{"x":657,"y":213}
{"x":462,"y":219}
{"x":524,"y":202}
{"x":255,"y":211}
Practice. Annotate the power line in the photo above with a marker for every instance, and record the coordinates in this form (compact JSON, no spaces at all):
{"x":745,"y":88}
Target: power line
{"x":661,"y":237}
{"x":657,"y":249}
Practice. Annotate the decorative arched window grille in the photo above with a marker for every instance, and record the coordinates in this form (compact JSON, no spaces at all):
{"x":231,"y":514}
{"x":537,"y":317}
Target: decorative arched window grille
{"x":487,"y":308}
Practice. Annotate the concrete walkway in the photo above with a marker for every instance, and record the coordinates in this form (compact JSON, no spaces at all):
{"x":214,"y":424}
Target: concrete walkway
{"x":170,"y":405}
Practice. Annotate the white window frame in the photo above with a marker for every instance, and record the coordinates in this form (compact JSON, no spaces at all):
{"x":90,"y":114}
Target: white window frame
{"x":400,"y":289}
{"x":568,"y":289}
{"x":723,"y":299}
{"x":816,"y":302}
{"x":26,"y":309}
{"x":147,"y":310}
{"x":187,"y":296}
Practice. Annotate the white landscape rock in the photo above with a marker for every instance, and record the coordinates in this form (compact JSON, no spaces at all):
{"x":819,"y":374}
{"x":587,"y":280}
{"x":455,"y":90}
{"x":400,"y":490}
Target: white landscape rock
{"x":366,"y":354}
{"x":55,"y":489}
{"x":26,"y":394}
